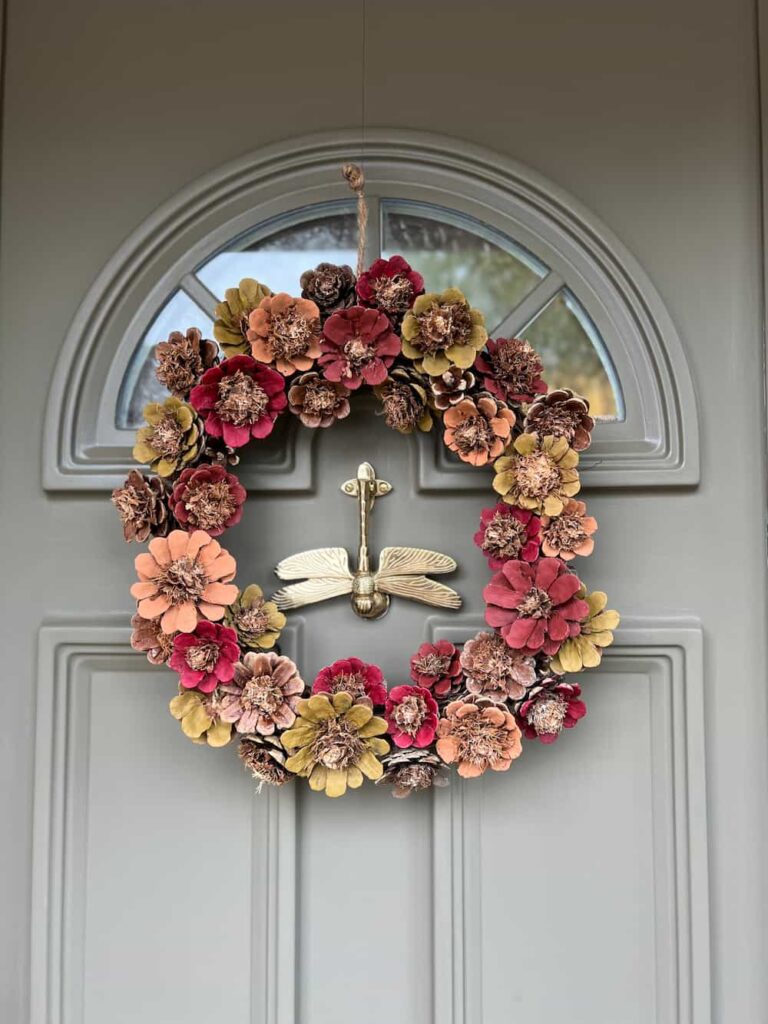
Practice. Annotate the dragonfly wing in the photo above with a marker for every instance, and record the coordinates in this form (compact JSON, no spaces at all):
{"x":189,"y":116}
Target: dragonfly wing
{"x":419,"y":588}
{"x":309,"y":592}
{"x":317,"y":564}
{"x":401,"y":561}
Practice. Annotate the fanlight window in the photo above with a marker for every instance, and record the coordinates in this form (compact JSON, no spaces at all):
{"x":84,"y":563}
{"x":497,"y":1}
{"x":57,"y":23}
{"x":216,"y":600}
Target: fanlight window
{"x":516,"y":291}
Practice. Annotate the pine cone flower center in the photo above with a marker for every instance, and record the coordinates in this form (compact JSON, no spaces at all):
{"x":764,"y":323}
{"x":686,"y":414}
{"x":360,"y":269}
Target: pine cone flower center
{"x":432,"y":664}
{"x":474,"y":434}
{"x":358,"y":352}
{"x":409,"y":714}
{"x":401,"y":410}
{"x":393,"y":294}
{"x":547,"y":716}
{"x":415,"y":776}
{"x":202,"y":657}
{"x":320,"y":397}
{"x":262,"y":765}
{"x":291,"y":334}
{"x":352,"y":683}
{"x":262,"y":693}
{"x":167,"y":437}
{"x":182,"y":580}
{"x":480,"y":741}
{"x":558,"y":420}
{"x":253,"y":620}
{"x":504,"y":536}
{"x":537,"y":476}
{"x":444,"y":325}
{"x":537,"y":604}
{"x":242,"y":400}
{"x":566,"y":532}
{"x":209,"y":505}
{"x":337,"y":744}
{"x":515,"y":363}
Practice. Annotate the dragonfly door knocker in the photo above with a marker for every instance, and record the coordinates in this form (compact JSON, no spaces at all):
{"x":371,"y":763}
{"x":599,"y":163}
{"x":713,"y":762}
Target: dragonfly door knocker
{"x":402,"y":571}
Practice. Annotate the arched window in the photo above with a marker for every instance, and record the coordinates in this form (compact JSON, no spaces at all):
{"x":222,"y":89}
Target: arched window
{"x":535,"y":263}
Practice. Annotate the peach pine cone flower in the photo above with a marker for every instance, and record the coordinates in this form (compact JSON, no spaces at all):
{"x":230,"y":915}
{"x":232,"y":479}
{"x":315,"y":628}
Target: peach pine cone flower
{"x":476,"y":735}
{"x":263,"y":694}
{"x":478,"y":430}
{"x":200,"y":717}
{"x":568,"y":534}
{"x":538,"y":473}
{"x":183,"y":578}
{"x":335,"y":742}
{"x":171,"y":438}
{"x":231,"y":326}
{"x":586,"y":649}
{"x":285,"y":332}
{"x":442,"y":330}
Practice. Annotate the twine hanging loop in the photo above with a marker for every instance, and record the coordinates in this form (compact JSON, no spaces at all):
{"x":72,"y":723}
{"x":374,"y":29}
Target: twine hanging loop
{"x":355,"y":178}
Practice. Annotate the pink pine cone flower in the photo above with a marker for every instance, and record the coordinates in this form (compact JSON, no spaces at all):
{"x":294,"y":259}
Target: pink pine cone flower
{"x":437,"y":667}
{"x":507,"y":533}
{"x":355,"y":677}
{"x":359,"y":347}
{"x":263,"y":694}
{"x":534,"y":605}
{"x":239,"y":399}
{"x":550,"y":708}
{"x":205,"y":657}
{"x":411,"y":713}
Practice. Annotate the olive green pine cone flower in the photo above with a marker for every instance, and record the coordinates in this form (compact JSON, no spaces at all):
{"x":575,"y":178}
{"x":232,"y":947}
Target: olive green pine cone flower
{"x":335,"y":742}
{"x":171,"y":439}
{"x":538,"y":474}
{"x":232,"y":314}
{"x":198,"y":715}
{"x":586,"y":649}
{"x":442,"y":330}
{"x":258,"y":622}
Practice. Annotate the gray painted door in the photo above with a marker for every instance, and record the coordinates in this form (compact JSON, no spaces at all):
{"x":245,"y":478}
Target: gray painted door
{"x":599,"y":881}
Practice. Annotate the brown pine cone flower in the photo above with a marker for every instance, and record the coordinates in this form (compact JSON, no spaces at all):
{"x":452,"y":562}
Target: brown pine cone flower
{"x":404,"y":399}
{"x":494,"y":670}
{"x":231,"y":326}
{"x":183,"y":359}
{"x":561,"y":413}
{"x":451,"y":387}
{"x":207,"y":498}
{"x":478,"y":429}
{"x":316,"y":401}
{"x":330,"y":287}
{"x":264,"y":758}
{"x":140,"y":503}
{"x":148,"y":636}
{"x":412,"y":770}
{"x":511,"y":369}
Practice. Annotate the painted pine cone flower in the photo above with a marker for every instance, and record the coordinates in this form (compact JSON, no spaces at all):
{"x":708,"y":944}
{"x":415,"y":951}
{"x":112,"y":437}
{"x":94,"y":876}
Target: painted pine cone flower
{"x":538,"y":474}
{"x":239,"y":399}
{"x":329,"y":286}
{"x":200,"y":719}
{"x":508,"y":533}
{"x":335,"y":742}
{"x":412,"y":770}
{"x":550,"y":708}
{"x":231,"y":326}
{"x":263,"y":694}
{"x":184,"y":578}
{"x":391,"y":286}
{"x":478,"y":429}
{"x":494,"y":670}
{"x":561,"y":413}
{"x":140,"y":503}
{"x":147,"y":636}
{"x":451,"y":387}
{"x":257,"y":622}
{"x":207,"y":498}
{"x":511,"y":370}
{"x":285,"y":331}
{"x":404,"y":400}
{"x":586,"y":649}
{"x":437,"y":667}
{"x":318,"y":402}
{"x":182,"y":360}
{"x":476,"y":735}
{"x":359,"y":346}
{"x":171,"y":438}
{"x":568,"y":534}
{"x":535,"y":607}
{"x":205,"y":657}
{"x":355,"y":677}
{"x":411,"y":714}
{"x":264,"y":757}
{"x":441,"y":331}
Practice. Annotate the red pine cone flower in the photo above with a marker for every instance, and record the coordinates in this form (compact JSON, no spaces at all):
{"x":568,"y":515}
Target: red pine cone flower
{"x":391,"y":286}
{"x":478,"y":430}
{"x":534,"y":606}
{"x":411,"y":713}
{"x":511,"y":370}
{"x":359,"y":346}
{"x":207,"y":498}
{"x":550,"y":708}
{"x":507,"y":532}
{"x":205,"y":657}
{"x":355,"y":677}
{"x":437,"y":667}
{"x":239,"y":399}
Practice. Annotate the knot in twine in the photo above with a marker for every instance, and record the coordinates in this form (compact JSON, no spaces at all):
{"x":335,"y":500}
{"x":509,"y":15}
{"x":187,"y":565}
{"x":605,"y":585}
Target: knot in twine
{"x":355,"y":178}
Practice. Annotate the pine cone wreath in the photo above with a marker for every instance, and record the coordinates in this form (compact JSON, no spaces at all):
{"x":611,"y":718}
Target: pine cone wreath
{"x":411,"y":770}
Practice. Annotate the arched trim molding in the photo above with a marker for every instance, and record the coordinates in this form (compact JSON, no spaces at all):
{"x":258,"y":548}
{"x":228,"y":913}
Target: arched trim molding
{"x":656,"y":444}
